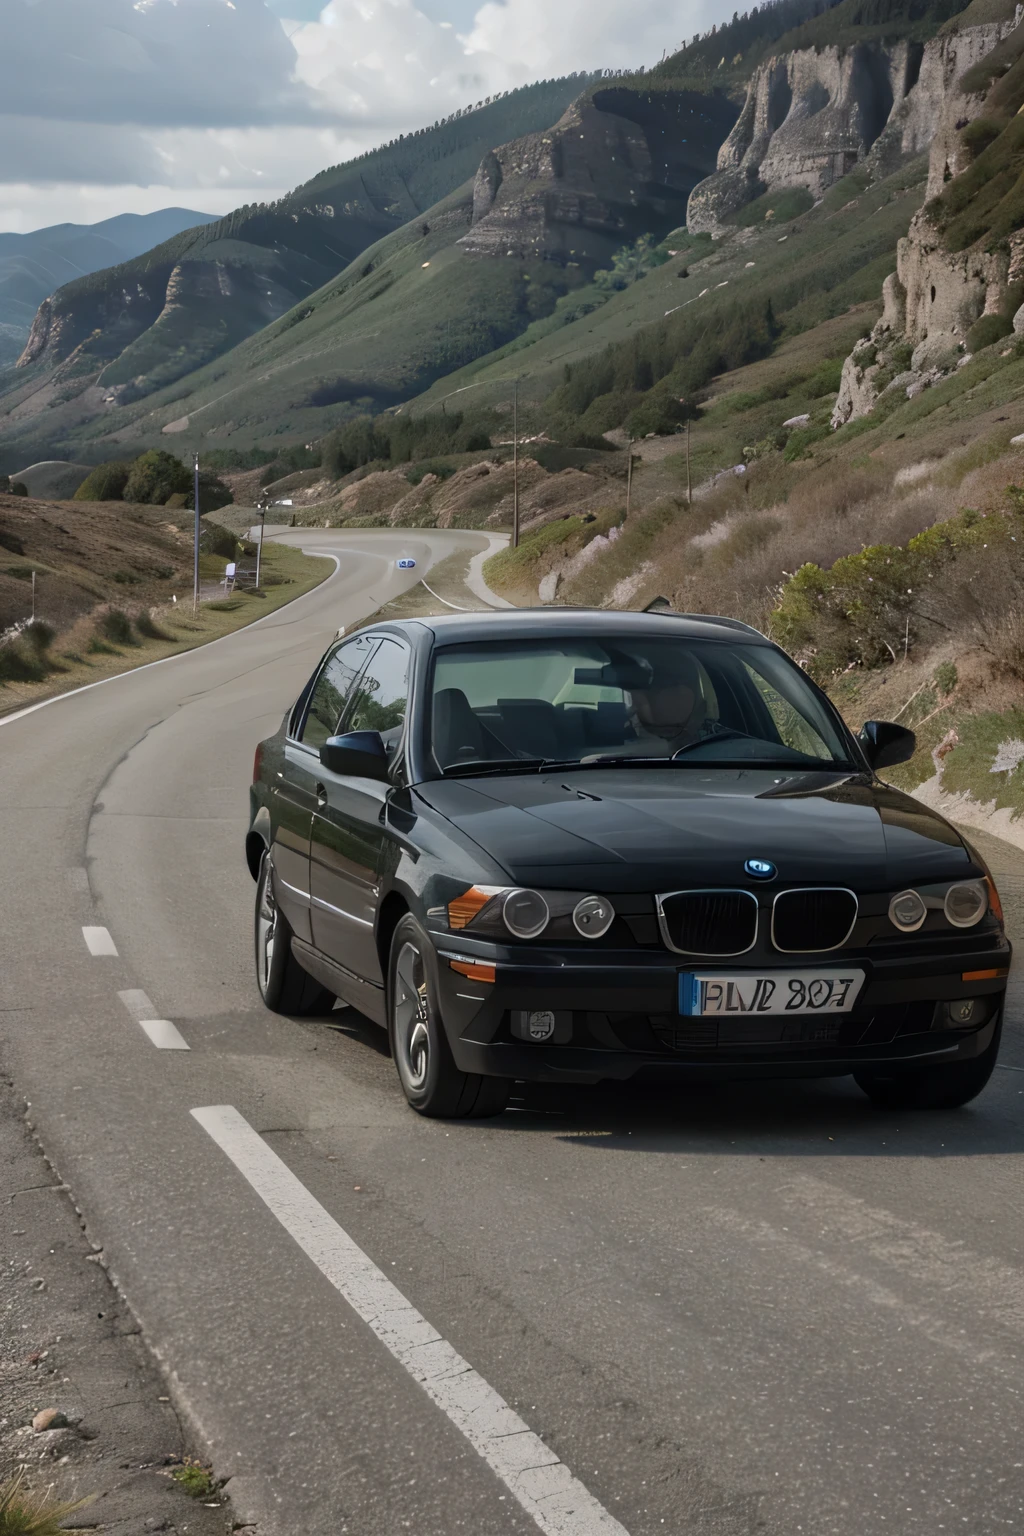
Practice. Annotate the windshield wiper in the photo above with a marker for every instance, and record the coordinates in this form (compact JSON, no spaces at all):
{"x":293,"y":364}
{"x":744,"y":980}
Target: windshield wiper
{"x":480,"y":766}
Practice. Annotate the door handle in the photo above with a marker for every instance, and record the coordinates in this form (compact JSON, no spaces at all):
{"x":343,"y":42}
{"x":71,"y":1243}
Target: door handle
{"x":321,"y":795}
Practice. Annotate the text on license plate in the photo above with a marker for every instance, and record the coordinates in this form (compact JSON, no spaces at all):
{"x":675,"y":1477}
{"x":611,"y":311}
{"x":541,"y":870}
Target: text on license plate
{"x":775,"y":992}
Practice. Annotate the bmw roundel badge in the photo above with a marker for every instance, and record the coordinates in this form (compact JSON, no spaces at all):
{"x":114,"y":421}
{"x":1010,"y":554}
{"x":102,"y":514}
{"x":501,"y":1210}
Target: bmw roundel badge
{"x":760,"y":869}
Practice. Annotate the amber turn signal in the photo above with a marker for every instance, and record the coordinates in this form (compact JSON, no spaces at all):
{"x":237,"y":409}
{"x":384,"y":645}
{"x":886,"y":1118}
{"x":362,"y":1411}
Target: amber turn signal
{"x":474,"y":970}
{"x":993,"y":975}
{"x":465,"y":907}
{"x":995,"y":906}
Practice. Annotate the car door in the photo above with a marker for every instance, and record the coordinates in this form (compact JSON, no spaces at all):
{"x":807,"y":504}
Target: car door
{"x":295,"y":790}
{"x":348,"y":833}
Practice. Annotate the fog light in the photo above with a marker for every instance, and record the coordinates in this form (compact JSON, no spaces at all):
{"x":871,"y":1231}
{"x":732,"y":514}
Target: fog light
{"x":966,"y":904}
{"x":541,"y":1024}
{"x":592,"y":917}
{"x":526,"y":913}
{"x":963,"y":1012}
{"x":907,"y":911}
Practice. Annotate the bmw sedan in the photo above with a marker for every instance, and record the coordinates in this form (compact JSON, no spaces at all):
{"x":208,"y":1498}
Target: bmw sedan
{"x":573,"y":846}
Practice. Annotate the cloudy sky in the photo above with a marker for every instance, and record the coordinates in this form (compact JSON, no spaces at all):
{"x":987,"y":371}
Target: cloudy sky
{"x":113,"y":106}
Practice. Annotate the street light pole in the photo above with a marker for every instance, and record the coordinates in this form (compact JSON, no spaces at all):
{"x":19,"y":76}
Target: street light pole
{"x":195,"y":552}
{"x":515,"y":465}
{"x":259,"y":548}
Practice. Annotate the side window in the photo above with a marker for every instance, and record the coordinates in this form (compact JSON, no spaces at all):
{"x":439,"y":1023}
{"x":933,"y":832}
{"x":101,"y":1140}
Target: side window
{"x":332,"y":690}
{"x":792,"y":728}
{"x":379,"y":702}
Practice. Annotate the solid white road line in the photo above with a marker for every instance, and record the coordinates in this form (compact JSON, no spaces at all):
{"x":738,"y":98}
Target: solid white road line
{"x":543,"y":1485}
{"x":163,"y":1034}
{"x":99,"y":941}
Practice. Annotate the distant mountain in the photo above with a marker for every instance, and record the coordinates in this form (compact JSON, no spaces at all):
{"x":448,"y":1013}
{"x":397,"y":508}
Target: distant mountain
{"x":140,"y":326}
{"x":33,"y":266}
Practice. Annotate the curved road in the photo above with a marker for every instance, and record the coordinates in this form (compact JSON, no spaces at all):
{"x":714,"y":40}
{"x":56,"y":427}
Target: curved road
{"x":765,"y":1309}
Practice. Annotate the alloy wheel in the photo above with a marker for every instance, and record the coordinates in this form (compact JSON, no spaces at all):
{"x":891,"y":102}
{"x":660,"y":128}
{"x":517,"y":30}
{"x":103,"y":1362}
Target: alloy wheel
{"x":266,"y":927}
{"x":411,"y":1018}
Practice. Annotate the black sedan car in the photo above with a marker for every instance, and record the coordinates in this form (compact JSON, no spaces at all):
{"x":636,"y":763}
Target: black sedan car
{"x":570,"y":845}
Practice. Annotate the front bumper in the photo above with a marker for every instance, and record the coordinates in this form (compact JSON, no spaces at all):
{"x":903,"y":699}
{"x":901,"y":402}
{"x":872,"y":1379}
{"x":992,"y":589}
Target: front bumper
{"x":622,"y":1020}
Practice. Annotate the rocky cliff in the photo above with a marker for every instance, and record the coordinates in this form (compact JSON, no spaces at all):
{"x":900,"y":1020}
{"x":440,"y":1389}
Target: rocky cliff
{"x":945,"y":284}
{"x":619,"y":163}
{"x":810,"y":116}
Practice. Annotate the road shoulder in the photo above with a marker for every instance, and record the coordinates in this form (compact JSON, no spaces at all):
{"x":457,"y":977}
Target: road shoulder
{"x":71,"y":1344}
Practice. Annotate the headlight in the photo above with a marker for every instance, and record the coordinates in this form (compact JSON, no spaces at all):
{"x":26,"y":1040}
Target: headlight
{"x":966,"y":904}
{"x":526,"y":914}
{"x":907,"y":911}
{"x":592,"y":917}
{"x":495,"y":912}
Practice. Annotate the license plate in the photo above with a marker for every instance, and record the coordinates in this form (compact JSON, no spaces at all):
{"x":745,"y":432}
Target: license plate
{"x":744,"y":992}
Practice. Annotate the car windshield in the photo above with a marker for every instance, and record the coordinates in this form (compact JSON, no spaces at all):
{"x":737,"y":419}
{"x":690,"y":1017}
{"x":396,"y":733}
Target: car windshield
{"x":512,"y":705}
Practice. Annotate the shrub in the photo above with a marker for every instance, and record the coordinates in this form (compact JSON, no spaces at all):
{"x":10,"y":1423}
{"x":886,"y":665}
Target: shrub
{"x":213,"y":493}
{"x":438,"y":467}
{"x":217,"y":540}
{"x":825,"y":379}
{"x":105,"y":483}
{"x":24,"y":657}
{"x":987,"y":330}
{"x":661,"y":414}
{"x":946,"y":676}
{"x":869,"y":605}
{"x":148,"y":628}
{"x":116,"y":626}
{"x":155,"y":476}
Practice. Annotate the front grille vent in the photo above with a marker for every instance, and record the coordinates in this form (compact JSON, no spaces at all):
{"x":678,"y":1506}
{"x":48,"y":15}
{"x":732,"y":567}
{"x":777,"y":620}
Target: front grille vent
{"x":708,"y":922}
{"x":813,"y":920}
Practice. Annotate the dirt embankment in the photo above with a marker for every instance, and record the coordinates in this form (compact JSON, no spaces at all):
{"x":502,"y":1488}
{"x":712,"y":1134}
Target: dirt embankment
{"x":84,"y":554}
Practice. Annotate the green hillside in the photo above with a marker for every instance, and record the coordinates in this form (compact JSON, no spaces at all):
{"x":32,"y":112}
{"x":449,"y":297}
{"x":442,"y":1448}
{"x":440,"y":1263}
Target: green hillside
{"x":241,"y":272}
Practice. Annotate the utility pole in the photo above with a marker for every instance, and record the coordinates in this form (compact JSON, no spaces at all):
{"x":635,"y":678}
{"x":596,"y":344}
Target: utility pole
{"x":515,"y":465}
{"x":33,"y":618}
{"x":264,"y":503}
{"x":688,"y":497}
{"x":195,"y":552}
{"x":629,"y":476}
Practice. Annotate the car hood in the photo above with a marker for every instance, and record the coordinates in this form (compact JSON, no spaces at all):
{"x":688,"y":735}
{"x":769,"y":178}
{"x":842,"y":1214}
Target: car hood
{"x":634,"y":829}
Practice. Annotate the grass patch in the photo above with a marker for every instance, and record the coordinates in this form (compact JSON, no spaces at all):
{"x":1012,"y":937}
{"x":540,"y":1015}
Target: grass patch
{"x":968,"y":768}
{"x":296,"y":574}
{"x":510,"y":566}
{"x":23,"y":1513}
{"x":196,"y":1480}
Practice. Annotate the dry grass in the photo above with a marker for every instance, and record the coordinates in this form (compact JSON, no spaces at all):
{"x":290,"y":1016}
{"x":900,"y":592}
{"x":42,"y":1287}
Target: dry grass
{"x":27,"y":1513}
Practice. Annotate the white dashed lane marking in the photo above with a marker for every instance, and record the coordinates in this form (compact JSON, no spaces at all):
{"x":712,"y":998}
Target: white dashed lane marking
{"x":545,"y":1488}
{"x":164,"y":1035}
{"x":99,"y":941}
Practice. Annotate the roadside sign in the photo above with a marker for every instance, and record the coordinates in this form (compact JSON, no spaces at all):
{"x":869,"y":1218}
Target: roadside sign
{"x":406,"y":564}
{"x":229,"y":569}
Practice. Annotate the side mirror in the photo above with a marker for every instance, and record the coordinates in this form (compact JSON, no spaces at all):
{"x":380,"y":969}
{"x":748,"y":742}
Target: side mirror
{"x":885,"y":744}
{"x":358,"y":754}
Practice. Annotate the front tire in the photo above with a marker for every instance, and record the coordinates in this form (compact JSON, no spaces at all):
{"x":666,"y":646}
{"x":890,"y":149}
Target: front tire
{"x":431,"y":1082}
{"x":947,"y":1086}
{"x":284,"y":986}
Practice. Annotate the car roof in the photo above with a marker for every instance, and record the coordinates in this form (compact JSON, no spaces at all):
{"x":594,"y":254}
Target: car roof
{"x":598,"y":623}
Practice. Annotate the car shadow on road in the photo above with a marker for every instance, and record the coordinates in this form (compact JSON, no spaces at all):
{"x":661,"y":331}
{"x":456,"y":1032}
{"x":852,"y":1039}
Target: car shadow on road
{"x":816,"y":1118}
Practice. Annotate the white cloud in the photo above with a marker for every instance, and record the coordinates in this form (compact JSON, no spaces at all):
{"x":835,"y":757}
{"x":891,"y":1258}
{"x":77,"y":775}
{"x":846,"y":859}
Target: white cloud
{"x":388,"y":64}
{"x":546,"y":39}
{"x":117,"y":104}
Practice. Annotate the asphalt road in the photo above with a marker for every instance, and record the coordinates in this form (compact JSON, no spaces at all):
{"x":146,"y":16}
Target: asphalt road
{"x":763,"y":1308}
